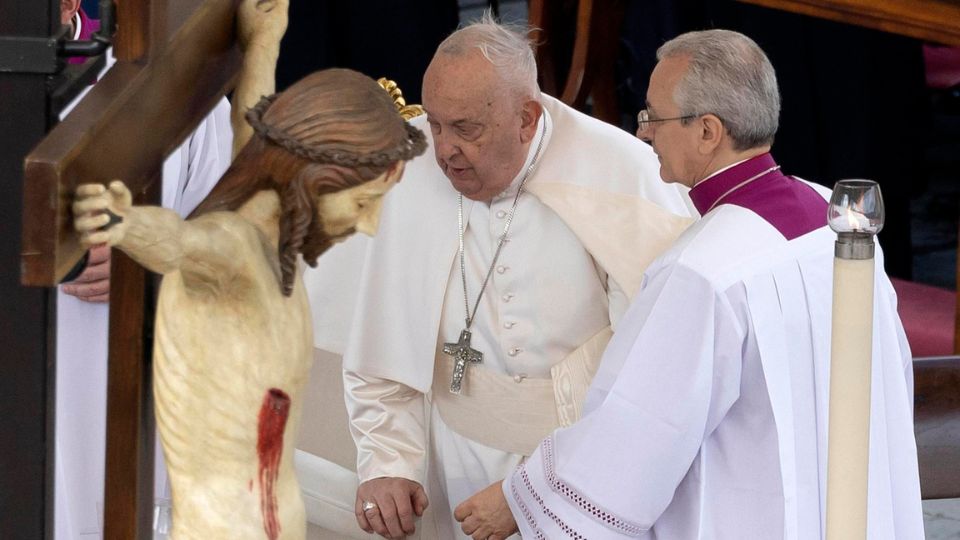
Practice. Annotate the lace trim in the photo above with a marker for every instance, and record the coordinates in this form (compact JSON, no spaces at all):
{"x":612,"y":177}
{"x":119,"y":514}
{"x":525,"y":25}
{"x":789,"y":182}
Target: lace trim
{"x":556,"y":519}
{"x":597,"y":512}
{"x":523,"y":507}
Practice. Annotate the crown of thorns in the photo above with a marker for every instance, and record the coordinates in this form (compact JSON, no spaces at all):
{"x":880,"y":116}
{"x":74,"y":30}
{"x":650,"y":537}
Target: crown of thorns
{"x":413,"y":145}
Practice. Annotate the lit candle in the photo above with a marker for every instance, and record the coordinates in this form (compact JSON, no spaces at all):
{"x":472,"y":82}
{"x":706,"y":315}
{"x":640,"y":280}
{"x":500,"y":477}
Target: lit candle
{"x":856,"y":214}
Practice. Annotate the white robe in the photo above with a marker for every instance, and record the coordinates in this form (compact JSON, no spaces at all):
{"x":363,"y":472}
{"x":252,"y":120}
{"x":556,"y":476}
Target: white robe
{"x":552,"y":289}
{"x":708,"y":416}
{"x":189,"y":173}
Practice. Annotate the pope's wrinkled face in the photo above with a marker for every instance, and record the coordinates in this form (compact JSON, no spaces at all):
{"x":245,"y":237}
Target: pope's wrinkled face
{"x":356,"y":209}
{"x":480,"y":130}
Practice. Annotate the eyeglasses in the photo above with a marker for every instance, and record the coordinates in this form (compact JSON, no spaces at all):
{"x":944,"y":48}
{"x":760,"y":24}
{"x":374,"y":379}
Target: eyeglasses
{"x":644,"y":120}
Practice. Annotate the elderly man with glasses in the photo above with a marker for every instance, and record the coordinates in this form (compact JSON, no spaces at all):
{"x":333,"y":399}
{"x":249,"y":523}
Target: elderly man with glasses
{"x":708,"y":415}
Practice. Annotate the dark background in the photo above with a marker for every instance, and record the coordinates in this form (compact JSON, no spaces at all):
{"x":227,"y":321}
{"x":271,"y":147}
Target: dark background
{"x":855,"y":104}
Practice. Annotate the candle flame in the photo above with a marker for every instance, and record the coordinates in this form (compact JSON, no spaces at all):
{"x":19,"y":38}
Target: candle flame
{"x":856,"y":220}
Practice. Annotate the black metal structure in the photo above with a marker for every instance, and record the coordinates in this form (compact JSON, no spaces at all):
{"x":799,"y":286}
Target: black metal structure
{"x":35,"y":84}
{"x":27,"y":363}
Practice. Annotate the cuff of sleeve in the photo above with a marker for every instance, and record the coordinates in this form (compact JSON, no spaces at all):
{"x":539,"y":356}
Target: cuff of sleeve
{"x":518,"y":494}
{"x":541,"y":512}
{"x":509,"y":487}
{"x":378,"y":469}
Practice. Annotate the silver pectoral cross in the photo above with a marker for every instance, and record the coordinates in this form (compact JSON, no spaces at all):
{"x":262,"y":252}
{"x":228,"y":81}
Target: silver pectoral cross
{"x":461,"y":354}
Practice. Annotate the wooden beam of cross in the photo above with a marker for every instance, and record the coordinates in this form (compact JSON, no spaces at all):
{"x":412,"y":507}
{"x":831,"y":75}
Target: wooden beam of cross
{"x":176,"y":59}
{"x":130,"y":121}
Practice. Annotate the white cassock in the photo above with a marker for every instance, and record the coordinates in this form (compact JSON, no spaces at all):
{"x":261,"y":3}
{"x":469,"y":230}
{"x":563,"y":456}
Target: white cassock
{"x":189,"y":173}
{"x":564,"y":276}
{"x":708,"y":416}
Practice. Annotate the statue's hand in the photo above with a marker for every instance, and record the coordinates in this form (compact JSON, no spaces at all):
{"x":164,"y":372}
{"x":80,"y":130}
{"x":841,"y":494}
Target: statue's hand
{"x":388,"y":506}
{"x":262,"y":21}
{"x":98,"y":213}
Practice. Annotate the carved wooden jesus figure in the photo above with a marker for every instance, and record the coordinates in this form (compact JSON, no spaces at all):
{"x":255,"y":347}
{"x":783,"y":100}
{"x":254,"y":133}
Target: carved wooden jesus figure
{"x":234,"y":337}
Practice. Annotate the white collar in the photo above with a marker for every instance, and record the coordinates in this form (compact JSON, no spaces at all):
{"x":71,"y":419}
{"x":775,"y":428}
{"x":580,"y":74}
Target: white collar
{"x":77,"y":24}
{"x":542,"y":131}
{"x":732,"y":165}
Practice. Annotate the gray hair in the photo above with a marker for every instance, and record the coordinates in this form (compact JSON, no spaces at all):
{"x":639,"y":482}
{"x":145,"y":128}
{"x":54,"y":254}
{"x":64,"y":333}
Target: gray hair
{"x":506,"y":46}
{"x":731,"y":77}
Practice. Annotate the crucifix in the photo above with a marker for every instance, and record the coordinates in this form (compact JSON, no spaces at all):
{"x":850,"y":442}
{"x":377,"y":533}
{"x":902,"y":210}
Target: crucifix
{"x":462,"y":353}
{"x":176,"y":59}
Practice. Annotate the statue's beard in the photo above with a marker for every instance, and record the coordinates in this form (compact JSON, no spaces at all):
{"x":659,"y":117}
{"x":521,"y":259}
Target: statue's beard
{"x":318,"y":241}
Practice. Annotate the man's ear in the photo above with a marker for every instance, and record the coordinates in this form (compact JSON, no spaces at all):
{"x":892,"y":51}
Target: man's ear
{"x":68,"y":8}
{"x":712,"y":133}
{"x":530,"y":114}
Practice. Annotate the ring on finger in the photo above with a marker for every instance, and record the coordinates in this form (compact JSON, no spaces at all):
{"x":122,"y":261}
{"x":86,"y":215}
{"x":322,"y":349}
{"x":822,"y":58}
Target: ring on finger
{"x":368,"y":505}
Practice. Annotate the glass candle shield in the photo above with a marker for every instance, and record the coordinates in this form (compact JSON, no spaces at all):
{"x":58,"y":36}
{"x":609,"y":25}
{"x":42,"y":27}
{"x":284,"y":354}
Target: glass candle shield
{"x":856,"y":207}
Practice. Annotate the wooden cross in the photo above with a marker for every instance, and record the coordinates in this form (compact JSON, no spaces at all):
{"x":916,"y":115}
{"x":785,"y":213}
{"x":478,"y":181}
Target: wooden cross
{"x":175,"y":60}
{"x":462,"y":354}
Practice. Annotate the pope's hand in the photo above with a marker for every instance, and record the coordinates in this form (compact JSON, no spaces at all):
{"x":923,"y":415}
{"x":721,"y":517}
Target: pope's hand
{"x":389,"y":505}
{"x":486,"y":515}
{"x":98,"y":213}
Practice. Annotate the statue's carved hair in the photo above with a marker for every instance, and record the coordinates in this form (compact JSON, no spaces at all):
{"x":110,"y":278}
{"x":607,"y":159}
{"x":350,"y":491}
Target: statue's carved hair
{"x":333,"y":130}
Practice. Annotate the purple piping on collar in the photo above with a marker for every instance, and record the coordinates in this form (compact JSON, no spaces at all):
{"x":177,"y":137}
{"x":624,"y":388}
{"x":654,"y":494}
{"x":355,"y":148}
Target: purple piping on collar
{"x":787,"y":204}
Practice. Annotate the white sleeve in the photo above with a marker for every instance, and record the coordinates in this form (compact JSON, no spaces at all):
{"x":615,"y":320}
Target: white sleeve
{"x":191,"y":171}
{"x":613,"y":473}
{"x":387,"y":422}
{"x":617,"y":302}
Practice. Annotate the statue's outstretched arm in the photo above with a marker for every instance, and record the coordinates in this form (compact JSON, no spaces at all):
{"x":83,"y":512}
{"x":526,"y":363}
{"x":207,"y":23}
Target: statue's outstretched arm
{"x":260,"y":24}
{"x":157,"y":238}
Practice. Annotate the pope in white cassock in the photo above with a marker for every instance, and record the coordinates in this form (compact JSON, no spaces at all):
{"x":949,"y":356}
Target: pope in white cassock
{"x":708,"y":416}
{"x":519,"y":243}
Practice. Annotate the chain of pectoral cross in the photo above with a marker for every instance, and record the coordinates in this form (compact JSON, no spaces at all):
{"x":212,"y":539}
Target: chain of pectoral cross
{"x":461,"y":352}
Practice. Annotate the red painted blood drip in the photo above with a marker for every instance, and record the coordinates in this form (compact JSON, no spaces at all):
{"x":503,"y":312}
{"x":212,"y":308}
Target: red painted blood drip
{"x":273,"y":420}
